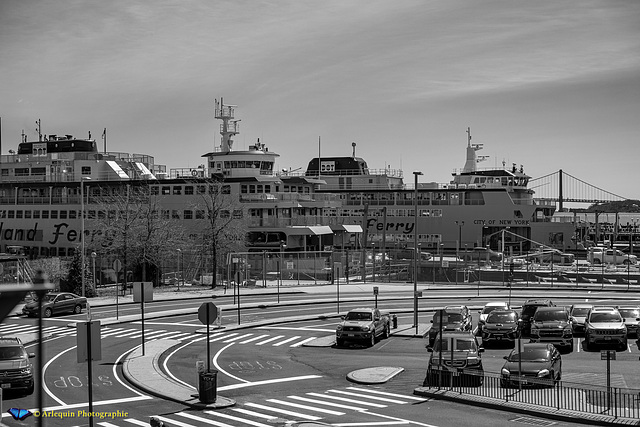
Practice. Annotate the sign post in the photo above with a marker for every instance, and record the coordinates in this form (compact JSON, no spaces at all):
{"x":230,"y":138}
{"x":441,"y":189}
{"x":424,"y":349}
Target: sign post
{"x":207,"y":314}
{"x":89,"y":348}
{"x":142,"y":292}
{"x":375,"y":294}
{"x":608,"y":355}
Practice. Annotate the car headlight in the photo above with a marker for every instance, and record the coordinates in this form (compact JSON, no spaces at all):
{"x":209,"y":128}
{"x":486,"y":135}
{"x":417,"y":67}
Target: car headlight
{"x":473,"y":361}
{"x":366,"y":328}
{"x":505,"y":371}
{"x":543,"y":373}
{"x":621,"y":330}
{"x":588,"y":330}
{"x":26,"y":371}
{"x":567,"y":331}
{"x":339,"y":328}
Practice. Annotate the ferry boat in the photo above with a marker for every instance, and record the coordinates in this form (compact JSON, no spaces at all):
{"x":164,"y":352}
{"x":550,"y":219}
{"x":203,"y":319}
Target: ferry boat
{"x":338,"y":202}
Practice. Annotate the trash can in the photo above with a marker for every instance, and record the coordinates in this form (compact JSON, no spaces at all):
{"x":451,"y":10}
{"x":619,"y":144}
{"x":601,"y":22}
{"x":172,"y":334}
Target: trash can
{"x":208,"y":386}
{"x":394,"y":321}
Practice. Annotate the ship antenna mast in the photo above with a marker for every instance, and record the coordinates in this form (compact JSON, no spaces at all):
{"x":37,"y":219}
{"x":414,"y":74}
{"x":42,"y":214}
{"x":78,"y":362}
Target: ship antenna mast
{"x":229,"y":127}
{"x":353,"y":144}
{"x":39,"y":129}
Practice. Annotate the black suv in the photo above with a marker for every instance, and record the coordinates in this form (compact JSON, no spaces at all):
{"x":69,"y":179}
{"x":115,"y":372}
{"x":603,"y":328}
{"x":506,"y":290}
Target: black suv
{"x":455,"y":356}
{"x":528,"y":310}
{"x":453,"y":319}
{"x":16,"y":370}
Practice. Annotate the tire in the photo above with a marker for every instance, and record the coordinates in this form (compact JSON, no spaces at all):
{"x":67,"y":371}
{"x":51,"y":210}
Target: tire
{"x":77,"y":309}
{"x":624,"y":346}
{"x":47,"y":312}
{"x":372,"y":341}
{"x":386,"y":332}
{"x":626,"y":262}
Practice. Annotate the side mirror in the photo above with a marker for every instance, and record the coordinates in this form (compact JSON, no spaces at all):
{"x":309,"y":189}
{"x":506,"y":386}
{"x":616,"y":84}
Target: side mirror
{"x":341,"y":317}
{"x":430,"y":349}
{"x":505,"y":357}
{"x":32,"y":355}
{"x":481,"y":350}
{"x":479,"y":311}
{"x":430,"y":321}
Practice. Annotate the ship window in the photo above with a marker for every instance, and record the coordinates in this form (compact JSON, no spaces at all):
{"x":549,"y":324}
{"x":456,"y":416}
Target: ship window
{"x":86,"y":170}
{"x":234,"y":164}
{"x":36,"y":214}
{"x":4,"y":172}
{"x":241,"y":164}
{"x":63,"y":214}
{"x":92,"y":214}
{"x":101,"y":214}
{"x":52,"y":252}
{"x":45,"y":214}
{"x":259,"y":188}
{"x":154,"y":191}
{"x":218,"y":165}
{"x":225,"y":213}
{"x":54,"y":215}
{"x":252,"y":189}
{"x":18,"y":214}
{"x":175,"y":214}
{"x":73,"y":214}
{"x":188,"y":214}
{"x":237,"y":213}
{"x":61,"y":252}
{"x":243,"y":189}
{"x":188,"y":190}
{"x":199,"y":214}
{"x":38,"y":171}
{"x":504,"y":180}
{"x":177,"y":190}
{"x":44,"y":251}
{"x":22,"y":172}
{"x":227,"y":165}
{"x":202,"y":189}
{"x":166,"y":190}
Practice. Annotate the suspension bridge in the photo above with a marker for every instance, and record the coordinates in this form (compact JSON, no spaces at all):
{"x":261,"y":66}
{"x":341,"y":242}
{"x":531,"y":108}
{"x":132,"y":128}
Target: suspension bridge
{"x":562,"y":187}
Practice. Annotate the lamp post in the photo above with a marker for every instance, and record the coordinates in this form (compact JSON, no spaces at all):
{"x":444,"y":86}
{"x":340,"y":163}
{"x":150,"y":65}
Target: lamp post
{"x":181,"y":267}
{"x":82,"y":268}
{"x":635,"y":225}
{"x":415,"y":248}
{"x":283,"y":246}
{"x":460,"y":224}
{"x":93,"y":263}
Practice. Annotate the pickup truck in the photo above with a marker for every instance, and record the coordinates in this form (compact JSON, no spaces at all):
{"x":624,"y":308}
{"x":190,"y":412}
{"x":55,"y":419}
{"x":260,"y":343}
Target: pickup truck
{"x":599,"y":255}
{"x":363,"y":324}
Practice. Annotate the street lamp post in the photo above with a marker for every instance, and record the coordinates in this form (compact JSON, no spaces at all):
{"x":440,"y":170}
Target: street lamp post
{"x":635,"y":225}
{"x":415,"y":248}
{"x":82,"y":268}
{"x":460,"y":224}
{"x":181,"y":267}
{"x":93,"y":263}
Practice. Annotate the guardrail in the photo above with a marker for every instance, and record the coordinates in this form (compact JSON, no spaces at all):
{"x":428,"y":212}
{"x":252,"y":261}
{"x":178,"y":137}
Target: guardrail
{"x":560,"y":395}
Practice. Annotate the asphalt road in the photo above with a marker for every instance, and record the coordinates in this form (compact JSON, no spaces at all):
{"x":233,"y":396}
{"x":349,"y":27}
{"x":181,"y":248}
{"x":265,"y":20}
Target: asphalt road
{"x":258,"y":371}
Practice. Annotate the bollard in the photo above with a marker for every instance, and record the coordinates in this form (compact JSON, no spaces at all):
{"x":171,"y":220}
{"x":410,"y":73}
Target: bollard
{"x":394,"y":321}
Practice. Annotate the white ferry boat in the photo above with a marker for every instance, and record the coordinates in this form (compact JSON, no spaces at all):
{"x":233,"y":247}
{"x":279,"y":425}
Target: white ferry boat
{"x":337,"y":203}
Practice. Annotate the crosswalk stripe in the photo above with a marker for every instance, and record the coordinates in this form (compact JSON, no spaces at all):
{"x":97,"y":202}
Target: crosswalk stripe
{"x":284,"y":411}
{"x":384,"y":393}
{"x":181,"y":336}
{"x":107,"y":424}
{"x":111,"y":331}
{"x":345,"y":399}
{"x":237,"y":338}
{"x":253,"y":339}
{"x":223,"y":336}
{"x":254,"y":414}
{"x":286,"y":341}
{"x":332,"y":404}
{"x":368,"y":397}
{"x":137,"y":422}
{"x":128,"y":334}
{"x":204,"y":420}
{"x":231,"y":417}
{"x":18,"y":328}
{"x":299,"y":406}
{"x":298,"y":344}
{"x":270,"y":339}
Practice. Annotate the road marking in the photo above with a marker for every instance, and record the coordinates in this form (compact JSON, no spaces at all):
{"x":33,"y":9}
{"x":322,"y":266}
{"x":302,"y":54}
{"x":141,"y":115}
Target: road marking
{"x":172,"y":422}
{"x":277,"y":337}
{"x":286,"y":328}
{"x":231,"y":417}
{"x":265,"y":382}
{"x":254,"y":339}
{"x":384,"y":393}
{"x":283,"y":411}
{"x":298,"y":344}
{"x":107,"y":424}
{"x":332,"y":404}
{"x":368,"y":397}
{"x":286,"y":341}
{"x":237,"y":338}
{"x":311,"y":408}
{"x":222,"y":336}
{"x":136,"y":422}
{"x":344,"y":399}
{"x":204,"y":420}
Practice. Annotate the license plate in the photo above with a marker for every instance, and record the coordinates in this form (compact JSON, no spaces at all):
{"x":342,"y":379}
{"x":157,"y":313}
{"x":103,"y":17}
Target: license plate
{"x":6,"y":385}
{"x":350,"y":335}
{"x":607,"y":338}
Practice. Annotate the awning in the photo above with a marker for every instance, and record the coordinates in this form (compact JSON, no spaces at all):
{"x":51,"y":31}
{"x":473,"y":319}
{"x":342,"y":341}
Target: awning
{"x":352,"y":228}
{"x":305,"y":231}
{"x":144,"y":170}
{"x":321,"y":229}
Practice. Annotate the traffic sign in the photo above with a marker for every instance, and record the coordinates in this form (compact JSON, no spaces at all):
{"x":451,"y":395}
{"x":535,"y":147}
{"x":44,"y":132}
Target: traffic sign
{"x":607,"y":354}
{"x":207,"y":313}
{"x":375,"y":290}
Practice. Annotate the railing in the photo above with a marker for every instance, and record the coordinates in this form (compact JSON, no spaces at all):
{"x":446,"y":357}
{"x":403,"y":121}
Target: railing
{"x":560,"y":395}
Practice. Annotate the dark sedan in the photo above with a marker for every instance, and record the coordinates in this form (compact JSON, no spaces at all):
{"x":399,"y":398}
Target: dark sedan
{"x":55,"y":303}
{"x":539,"y":364}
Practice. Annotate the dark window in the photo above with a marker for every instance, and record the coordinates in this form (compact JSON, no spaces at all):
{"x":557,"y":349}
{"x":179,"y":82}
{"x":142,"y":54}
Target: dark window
{"x":86,"y":170}
{"x":45,"y":214}
{"x":63,"y":214}
{"x":188,"y":214}
{"x":36,"y":214}
{"x":188,"y":190}
{"x":73,"y":214}
{"x":177,"y":190}
{"x":54,"y":214}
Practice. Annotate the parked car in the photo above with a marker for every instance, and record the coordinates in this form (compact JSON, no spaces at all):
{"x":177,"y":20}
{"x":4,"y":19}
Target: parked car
{"x":488,"y":308}
{"x":555,"y":257}
{"x":363,"y":324}
{"x":453,"y":319}
{"x":528,"y":310}
{"x":601,"y":255}
{"x":500,"y":326}
{"x":455,"y":356}
{"x":479,"y":254}
{"x":578,"y":313}
{"x":605,"y":326}
{"x":538,"y":364}
{"x":631,"y":316}
{"x":54,"y":303}
{"x":16,"y":370}
{"x":408,"y":254}
{"x":552,"y":325}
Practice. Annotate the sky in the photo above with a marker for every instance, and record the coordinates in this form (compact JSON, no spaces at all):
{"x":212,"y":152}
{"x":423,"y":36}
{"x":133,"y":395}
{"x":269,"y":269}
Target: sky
{"x":545,"y":84}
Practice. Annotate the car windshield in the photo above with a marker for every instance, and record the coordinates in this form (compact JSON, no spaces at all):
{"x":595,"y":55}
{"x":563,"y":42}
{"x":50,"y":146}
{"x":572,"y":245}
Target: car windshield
{"x":605,"y":317}
{"x":448,"y":317}
{"x":48,"y":298}
{"x":580,"y":311}
{"x":550,"y":315}
{"x":356,"y":315}
{"x":629,"y":312}
{"x":488,"y":309}
{"x":459,"y":344}
{"x":501,"y":318}
{"x":531,"y":355}
{"x":8,"y":353}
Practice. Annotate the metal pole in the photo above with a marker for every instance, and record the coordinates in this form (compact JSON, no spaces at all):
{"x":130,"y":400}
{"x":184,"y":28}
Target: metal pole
{"x":90,"y":372}
{"x":415,"y":248}
{"x":82,"y":232}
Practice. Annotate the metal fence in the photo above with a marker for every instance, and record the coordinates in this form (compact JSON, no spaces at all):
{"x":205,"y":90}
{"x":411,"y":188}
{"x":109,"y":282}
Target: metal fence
{"x":560,"y":395}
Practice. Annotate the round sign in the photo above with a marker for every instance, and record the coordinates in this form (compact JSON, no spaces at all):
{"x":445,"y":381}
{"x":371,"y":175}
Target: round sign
{"x":117,"y":265}
{"x":207,"y":313}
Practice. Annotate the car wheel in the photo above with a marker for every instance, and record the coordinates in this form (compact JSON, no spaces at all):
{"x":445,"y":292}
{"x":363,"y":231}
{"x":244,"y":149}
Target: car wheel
{"x":47,"y":312}
{"x":77,"y":309}
{"x":386,"y":332}
{"x":623,"y":346}
{"x":372,"y":342}
{"x":29,"y":390}
{"x":339,"y":342}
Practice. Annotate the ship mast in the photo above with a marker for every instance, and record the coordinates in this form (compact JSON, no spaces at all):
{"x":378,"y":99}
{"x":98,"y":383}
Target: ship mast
{"x":472,"y":157}
{"x":229,"y":127}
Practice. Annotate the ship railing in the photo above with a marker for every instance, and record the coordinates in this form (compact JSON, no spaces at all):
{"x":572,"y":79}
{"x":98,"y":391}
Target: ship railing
{"x":284,"y":197}
{"x":395,"y":173}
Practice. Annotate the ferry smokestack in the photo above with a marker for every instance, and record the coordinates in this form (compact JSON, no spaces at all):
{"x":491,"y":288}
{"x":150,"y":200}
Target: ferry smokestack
{"x":353,"y":144}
